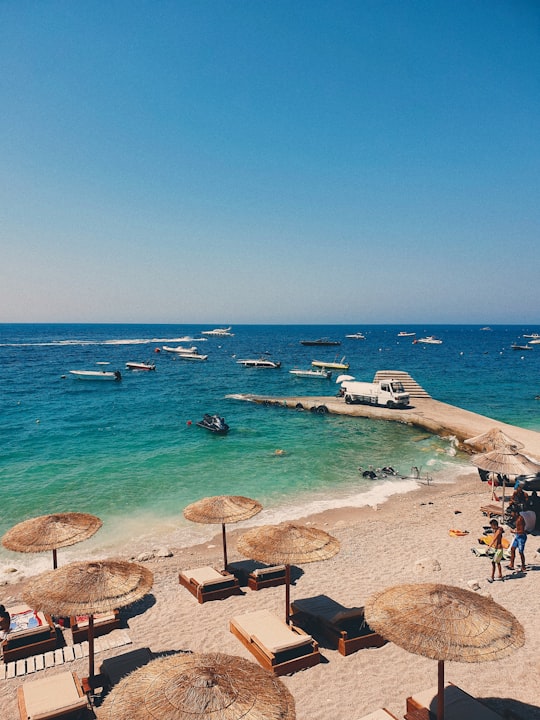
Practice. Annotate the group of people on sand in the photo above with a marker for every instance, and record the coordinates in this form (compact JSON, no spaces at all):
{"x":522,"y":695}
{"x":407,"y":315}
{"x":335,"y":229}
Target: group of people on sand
{"x":518,"y":503}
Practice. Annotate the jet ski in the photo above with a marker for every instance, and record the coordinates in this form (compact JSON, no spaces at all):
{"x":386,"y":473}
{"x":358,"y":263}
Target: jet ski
{"x":214,"y":423}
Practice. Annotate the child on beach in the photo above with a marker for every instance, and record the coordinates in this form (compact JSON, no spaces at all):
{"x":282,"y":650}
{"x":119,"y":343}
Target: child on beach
{"x":496,"y":544}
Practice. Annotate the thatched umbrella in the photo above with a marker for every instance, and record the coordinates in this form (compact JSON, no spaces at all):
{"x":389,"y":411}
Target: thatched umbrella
{"x":444,"y":623}
{"x":222,"y":509}
{"x":49,"y":532}
{"x":505,"y":461}
{"x":195,"y":687}
{"x":86,"y":588}
{"x":287,"y":544}
{"x":493,"y":439}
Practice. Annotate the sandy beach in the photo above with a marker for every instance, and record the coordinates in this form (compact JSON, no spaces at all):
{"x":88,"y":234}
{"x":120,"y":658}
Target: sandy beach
{"x":404,"y":540}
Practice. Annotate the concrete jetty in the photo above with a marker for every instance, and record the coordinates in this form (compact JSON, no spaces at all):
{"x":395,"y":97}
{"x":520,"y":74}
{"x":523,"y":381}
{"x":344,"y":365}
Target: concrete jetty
{"x":424,"y":412}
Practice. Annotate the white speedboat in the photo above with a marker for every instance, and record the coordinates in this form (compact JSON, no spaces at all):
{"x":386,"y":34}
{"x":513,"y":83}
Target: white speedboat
{"x":429,"y":340}
{"x":96,"y":375}
{"x":536,"y":341}
{"x":140,"y":366}
{"x":312,"y":373}
{"x":331,"y":365}
{"x":404,"y":333}
{"x":534,"y":336}
{"x":259,"y":363}
{"x":356,"y":336}
{"x":180,"y":349}
{"x":220,"y":332}
{"x":190,"y":356}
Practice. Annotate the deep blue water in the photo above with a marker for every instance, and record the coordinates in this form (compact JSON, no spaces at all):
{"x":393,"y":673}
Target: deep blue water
{"x":128,"y":453}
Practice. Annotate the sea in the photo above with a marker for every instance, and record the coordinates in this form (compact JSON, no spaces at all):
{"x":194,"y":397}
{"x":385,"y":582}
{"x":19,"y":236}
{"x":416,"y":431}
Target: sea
{"x":131,"y":453}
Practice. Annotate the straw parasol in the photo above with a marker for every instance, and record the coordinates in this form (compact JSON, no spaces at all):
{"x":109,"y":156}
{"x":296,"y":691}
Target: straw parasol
{"x":444,"y":623}
{"x":86,"y":588}
{"x":194,"y":687}
{"x":49,"y":532}
{"x":505,"y":461}
{"x":493,"y":439}
{"x":286,"y":544}
{"x":222,"y":509}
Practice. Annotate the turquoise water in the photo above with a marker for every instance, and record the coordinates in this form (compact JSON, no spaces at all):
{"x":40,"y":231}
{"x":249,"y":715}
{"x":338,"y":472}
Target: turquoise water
{"x":131,"y":453}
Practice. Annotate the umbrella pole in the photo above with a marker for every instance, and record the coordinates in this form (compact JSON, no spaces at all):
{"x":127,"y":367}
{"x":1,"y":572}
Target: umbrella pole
{"x":90,"y":649}
{"x":225,"y":563}
{"x":54,"y":561}
{"x":287,"y":592}
{"x":440,"y":691}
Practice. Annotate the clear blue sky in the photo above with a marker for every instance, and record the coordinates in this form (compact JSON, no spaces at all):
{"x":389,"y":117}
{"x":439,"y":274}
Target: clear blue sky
{"x":233,"y":161}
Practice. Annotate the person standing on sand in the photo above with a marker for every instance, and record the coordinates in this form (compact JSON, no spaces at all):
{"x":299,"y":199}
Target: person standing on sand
{"x":518,"y":542}
{"x":496,"y":544}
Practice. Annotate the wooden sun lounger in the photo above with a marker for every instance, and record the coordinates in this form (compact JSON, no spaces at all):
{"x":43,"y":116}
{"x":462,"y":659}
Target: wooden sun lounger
{"x":278,"y":647}
{"x":114,"y":669}
{"x":266,"y":577}
{"x":458,"y":705}
{"x":56,"y":696}
{"x":205,"y":583}
{"x":103,"y":624}
{"x":31,"y":641}
{"x":345,"y":628}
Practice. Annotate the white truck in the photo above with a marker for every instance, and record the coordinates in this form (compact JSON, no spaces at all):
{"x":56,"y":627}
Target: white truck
{"x":390,"y":393}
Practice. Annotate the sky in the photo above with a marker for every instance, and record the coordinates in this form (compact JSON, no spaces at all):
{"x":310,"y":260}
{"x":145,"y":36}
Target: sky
{"x":270,"y":161}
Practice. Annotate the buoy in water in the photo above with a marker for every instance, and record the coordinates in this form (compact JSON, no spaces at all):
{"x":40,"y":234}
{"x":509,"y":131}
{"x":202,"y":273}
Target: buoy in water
{"x":189,"y":422}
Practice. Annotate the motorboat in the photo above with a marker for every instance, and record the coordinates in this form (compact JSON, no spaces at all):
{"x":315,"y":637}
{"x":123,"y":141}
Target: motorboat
{"x":180,"y":349}
{"x":404,"y":333}
{"x":220,"y":332}
{"x":429,"y":340}
{"x":356,"y":336}
{"x":329,"y":365}
{"x":534,"y":336}
{"x":259,"y":363}
{"x":312,"y":373}
{"x":521,"y":347}
{"x":191,"y":356}
{"x":214,"y":423}
{"x":536,"y":341}
{"x":115,"y":375}
{"x":140,"y":366}
{"x":320,"y":341}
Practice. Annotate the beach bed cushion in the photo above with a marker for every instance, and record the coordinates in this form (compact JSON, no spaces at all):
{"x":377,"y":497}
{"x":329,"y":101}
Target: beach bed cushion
{"x":458,"y":705}
{"x":270,"y":570}
{"x":31,"y":632}
{"x":51,"y":697}
{"x":103,"y":623}
{"x":115,"y":668}
{"x":205,"y":583}
{"x":268,"y":632}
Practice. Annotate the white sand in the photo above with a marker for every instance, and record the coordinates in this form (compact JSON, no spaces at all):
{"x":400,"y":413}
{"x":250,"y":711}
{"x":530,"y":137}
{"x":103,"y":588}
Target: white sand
{"x":379,"y":547}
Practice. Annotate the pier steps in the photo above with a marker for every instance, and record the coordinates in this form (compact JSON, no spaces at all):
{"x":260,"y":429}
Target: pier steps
{"x":411,"y":386}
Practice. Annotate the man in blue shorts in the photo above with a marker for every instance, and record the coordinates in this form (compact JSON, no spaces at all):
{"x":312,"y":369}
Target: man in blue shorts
{"x":520,"y":538}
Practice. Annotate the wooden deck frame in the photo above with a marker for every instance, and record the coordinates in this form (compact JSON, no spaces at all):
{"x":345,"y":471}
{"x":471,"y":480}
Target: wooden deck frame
{"x":80,"y":634}
{"x":18,"y":646}
{"x":286,"y":662}
{"x":342,"y":635}
{"x":77,"y":711}
{"x":215,"y":591}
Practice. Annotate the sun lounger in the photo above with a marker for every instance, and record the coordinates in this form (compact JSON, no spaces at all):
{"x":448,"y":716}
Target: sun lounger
{"x":278,"y":647}
{"x":458,"y":705}
{"x":205,"y":583}
{"x":31,"y":633}
{"x":56,"y":696}
{"x":381,"y":714}
{"x":266,"y":577}
{"x":103,"y":624}
{"x":345,"y":628}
